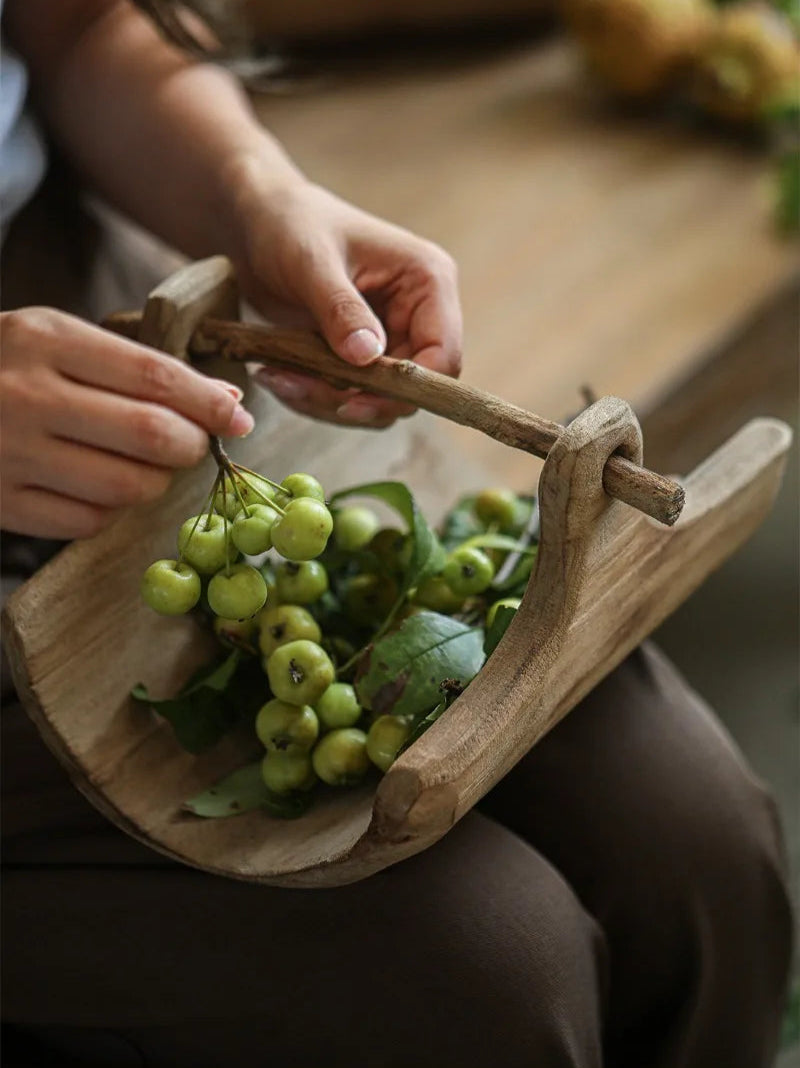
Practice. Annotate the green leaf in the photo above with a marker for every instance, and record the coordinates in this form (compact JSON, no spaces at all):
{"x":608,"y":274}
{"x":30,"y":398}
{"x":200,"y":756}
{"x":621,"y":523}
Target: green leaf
{"x":199,"y":719}
{"x":242,"y":791}
{"x":238,"y":792}
{"x":401,"y":673}
{"x":212,"y":702}
{"x":460,"y":523}
{"x":499,"y":541}
{"x":516,"y":583}
{"x":423,"y":721}
{"x":502,"y":618}
{"x":428,"y":555}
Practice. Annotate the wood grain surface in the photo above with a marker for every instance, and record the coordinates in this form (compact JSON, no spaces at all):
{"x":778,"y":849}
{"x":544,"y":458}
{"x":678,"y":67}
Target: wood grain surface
{"x":594,"y":247}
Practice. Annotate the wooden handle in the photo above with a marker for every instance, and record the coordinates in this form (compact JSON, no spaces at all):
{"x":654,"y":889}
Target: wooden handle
{"x":651,"y":493}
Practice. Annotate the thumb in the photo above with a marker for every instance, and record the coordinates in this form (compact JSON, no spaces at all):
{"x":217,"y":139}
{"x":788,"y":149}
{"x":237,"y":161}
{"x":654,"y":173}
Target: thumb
{"x":345,"y":319}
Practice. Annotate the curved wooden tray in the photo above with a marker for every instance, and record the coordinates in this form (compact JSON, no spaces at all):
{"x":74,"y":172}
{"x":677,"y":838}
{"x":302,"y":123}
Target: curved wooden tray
{"x":78,"y":638}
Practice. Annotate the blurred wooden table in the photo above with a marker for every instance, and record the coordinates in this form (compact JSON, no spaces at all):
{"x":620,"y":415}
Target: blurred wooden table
{"x":630,"y":254}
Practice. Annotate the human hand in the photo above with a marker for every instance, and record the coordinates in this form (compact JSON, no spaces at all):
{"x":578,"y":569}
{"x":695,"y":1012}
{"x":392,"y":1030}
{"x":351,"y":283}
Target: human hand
{"x":91,"y":423}
{"x":307,"y":258}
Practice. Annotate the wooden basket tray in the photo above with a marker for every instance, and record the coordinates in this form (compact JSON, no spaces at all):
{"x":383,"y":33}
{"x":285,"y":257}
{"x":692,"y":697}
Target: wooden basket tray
{"x":78,"y":636}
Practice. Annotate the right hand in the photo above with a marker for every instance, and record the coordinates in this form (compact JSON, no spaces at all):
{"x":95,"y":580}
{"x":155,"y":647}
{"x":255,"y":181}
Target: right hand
{"x":91,"y":423}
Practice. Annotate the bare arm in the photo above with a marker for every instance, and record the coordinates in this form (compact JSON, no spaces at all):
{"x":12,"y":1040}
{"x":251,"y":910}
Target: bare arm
{"x":162,"y":137}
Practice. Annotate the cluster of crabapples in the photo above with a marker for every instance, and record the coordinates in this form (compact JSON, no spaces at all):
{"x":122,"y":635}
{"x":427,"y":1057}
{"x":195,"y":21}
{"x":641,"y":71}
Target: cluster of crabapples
{"x":313,"y":727}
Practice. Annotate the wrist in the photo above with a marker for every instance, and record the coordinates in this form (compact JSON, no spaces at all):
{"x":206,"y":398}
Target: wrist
{"x":253,"y":181}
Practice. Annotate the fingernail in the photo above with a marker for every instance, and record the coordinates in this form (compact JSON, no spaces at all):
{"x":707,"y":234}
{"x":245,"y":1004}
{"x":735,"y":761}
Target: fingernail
{"x":286,"y":388}
{"x":358,"y":411}
{"x":242,"y":422}
{"x":362,"y":346}
{"x":229,"y":387}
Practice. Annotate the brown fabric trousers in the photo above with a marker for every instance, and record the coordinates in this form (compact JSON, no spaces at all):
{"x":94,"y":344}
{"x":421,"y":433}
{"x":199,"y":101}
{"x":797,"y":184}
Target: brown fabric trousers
{"x":619,"y":899}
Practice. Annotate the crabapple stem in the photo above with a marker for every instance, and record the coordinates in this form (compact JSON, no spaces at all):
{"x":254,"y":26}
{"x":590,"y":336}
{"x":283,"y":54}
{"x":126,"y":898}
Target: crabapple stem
{"x":209,"y":504}
{"x":247,"y":471}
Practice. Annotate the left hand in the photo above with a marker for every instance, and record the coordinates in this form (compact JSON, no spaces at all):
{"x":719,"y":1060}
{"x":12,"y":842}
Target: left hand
{"x":308,"y":259}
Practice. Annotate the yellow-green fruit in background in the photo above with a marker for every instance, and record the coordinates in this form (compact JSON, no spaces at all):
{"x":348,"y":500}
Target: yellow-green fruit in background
{"x":749,"y":62}
{"x":638,"y":47}
{"x":354,"y":527}
{"x":368,"y":598}
{"x":434,"y":593}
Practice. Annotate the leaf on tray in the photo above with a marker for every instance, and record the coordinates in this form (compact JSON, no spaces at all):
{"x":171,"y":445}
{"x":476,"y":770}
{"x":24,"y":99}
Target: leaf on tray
{"x":401,"y":673}
{"x":242,"y":791}
{"x":214,"y":699}
{"x":238,"y":792}
{"x":428,"y":555}
{"x":422,"y":722}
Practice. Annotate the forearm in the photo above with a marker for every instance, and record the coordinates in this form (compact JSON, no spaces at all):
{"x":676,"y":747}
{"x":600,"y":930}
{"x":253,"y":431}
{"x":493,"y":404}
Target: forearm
{"x":171,"y":142}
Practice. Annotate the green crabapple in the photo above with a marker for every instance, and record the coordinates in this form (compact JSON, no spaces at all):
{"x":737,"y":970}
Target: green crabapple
{"x":300,"y":672}
{"x":468,"y":571}
{"x":237,"y":593}
{"x":301,"y":583}
{"x":283,"y":773}
{"x":338,"y":706}
{"x":251,"y":531}
{"x":385,"y":738}
{"x":340,"y":757}
{"x":253,"y":491}
{"x":299,"y":485}
{"x":497,"y":506}
{"x":170,"y":588}
{"x":368,"y":598}
{"x":434,"y":593}
{"x":286,"y":728}
{"x":302,"y":532}
{"x":286,"y":623}
{"x":353,"y":528}
{"x":204,"y":543}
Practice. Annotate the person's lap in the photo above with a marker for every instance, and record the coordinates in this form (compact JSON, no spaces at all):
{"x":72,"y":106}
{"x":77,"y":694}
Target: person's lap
{"x":622,"y":885}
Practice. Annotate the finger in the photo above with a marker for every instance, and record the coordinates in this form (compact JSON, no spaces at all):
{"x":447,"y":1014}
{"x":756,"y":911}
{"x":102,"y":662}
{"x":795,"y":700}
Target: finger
{"x":428,"y":327}
{"x":344,"y":317}
{"x":333,"y":416}
{"x":96,"y":477}
{"x":354,"y":406}
{"x":100,"y":359}
{"x":139,"y":430}
{"x":44,"y":514}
